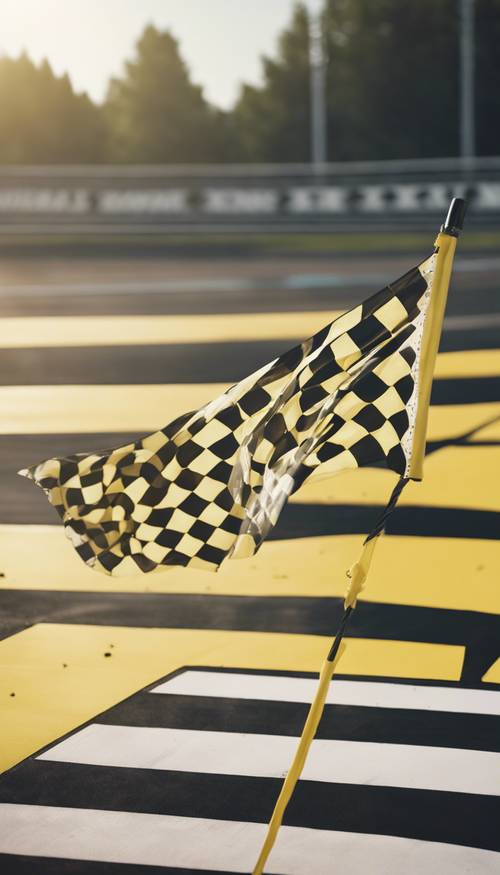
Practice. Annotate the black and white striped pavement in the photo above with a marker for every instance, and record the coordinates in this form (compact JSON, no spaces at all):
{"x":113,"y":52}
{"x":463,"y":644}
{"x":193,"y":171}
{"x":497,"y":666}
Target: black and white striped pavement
{"x":400,"y":777}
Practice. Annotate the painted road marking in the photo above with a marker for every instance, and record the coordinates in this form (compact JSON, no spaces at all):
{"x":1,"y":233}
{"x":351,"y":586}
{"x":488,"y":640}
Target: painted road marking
{"x":231,"y":846}
{"x":368,"y":694}
{"x":67,"y":331}
{"x":439,"y":572}
{"x":61,"y":678}
{"x":425,"y":814}
{"x":146,"y":407}
{"x":492,"y":676}
{"x":442,"y":485}
{"x":415,"y":767}
{"x":66,"y":409}
{"x":468,"y":363}
{"x":490,"y":432}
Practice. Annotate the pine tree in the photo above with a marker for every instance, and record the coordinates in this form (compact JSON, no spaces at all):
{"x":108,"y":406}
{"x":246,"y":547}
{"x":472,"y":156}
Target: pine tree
{"x":156,"y":114}
{"x":43,"y":121}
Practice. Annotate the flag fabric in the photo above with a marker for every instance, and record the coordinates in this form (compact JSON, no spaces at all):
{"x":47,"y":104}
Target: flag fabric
{"x":211,"y":485}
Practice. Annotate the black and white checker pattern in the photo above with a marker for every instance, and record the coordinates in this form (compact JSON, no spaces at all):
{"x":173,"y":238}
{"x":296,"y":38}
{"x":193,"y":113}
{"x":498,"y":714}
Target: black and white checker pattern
{"x":211,"y":484}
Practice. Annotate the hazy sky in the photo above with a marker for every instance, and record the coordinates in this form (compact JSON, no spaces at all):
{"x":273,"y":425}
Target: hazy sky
{"x":221,"y":40}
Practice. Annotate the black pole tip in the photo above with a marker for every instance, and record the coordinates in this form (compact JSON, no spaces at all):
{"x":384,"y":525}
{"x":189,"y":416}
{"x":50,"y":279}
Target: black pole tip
{"x":455,"y":219}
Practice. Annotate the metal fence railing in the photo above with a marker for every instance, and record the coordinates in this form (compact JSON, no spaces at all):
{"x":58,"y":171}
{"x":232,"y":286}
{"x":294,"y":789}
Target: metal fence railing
{"x":223,"y":198}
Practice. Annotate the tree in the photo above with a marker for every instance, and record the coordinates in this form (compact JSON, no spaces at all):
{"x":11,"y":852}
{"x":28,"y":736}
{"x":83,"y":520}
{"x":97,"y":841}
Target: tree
{"x":156,"y":114}
{"x":42,"y":120}
{"x":487,"y":85}
{"x":271,"y":122}
{"x":392,"y":92}
{"x":392,"y":84}
{"x":392,"y":78}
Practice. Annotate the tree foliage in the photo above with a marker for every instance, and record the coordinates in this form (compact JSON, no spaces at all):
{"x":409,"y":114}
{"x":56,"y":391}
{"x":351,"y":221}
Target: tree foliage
{"x":392,"y":78}
{"x":487,"y":84}
{"x":42,"y":120}
{"x":392,"y":83}
{"x":156,"y":114}
{"x":392,"y":92}
{"x":271,"y":123}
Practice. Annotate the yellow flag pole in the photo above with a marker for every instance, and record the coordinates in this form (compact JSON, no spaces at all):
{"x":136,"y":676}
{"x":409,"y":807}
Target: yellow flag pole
{"x":445,"y":249}
{"x":357,"y":577}
{"x":295,"y":770}
{"x":445,"y":244}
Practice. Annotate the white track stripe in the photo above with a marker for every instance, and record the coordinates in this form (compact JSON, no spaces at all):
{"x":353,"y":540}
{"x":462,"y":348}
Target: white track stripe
{"x":228,"y":846}
{"x":276,"y":688}
{"x":269,"y":756}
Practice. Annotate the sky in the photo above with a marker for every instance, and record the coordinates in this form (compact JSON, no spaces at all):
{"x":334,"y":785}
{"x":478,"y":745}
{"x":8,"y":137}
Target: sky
{"x":221,"y":40}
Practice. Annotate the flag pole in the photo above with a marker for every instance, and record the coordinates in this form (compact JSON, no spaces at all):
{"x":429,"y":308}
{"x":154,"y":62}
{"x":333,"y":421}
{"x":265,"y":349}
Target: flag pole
{"x":357,"y":576}
{"x":445,"y":245}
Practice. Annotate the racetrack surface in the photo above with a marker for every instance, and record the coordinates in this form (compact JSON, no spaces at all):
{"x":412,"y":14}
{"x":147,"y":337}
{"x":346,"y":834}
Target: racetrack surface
{"x":146,"y":721}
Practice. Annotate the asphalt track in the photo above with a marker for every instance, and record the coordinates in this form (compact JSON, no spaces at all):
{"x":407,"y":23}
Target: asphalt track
{"x":95,"y":351}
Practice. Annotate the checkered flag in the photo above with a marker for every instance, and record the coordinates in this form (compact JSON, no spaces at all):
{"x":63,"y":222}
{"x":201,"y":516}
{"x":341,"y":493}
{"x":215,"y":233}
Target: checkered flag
{"x":211,"y":484}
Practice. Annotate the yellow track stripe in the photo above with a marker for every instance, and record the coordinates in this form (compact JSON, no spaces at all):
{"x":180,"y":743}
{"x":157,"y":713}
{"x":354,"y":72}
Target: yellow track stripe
{"x":468,"y":363}
{"x":51,"y":700}
{"x":66,"y":409}
{"x":67,"y":331}
{"x":146,"y":407}
{"x":438,"y":572}
{"x":453,"y":477}
{"x":492,"y":676}
{"x":453,"y":420}
{"x":29,"y":331}
{"x":489,"y":432}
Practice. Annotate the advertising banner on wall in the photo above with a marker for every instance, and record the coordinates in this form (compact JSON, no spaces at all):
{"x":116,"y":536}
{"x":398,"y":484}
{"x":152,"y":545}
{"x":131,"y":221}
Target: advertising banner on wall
{"x":232,"y":198}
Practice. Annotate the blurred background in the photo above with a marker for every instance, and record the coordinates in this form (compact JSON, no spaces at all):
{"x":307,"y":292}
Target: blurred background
{"x":192,"y":118}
